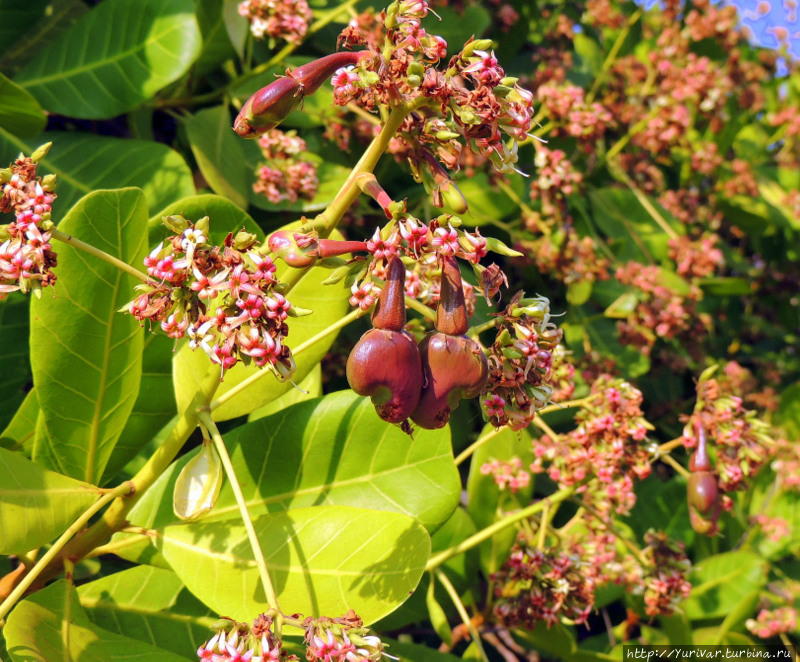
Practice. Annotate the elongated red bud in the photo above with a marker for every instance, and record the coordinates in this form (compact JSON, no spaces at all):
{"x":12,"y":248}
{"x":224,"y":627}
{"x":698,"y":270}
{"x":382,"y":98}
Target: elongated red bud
{"x":333,"y":247}
{"x":390,"y":311}
{"x":451,"y":313}
{"x":702,"y":491}
{"x":385,"y":363}
{"x":700,"y":460}
{"x":270,"y":105}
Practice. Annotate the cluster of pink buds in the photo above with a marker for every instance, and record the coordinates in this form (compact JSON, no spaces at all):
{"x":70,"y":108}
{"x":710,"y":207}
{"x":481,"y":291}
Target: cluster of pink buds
{"x":342,"y":639}
{"x":225,"y":299}
{"x":606,"y":452}
{"x":742,"y":441}
{"x":26,"y":257}
{"x":574,"y":117}
{"x":772,"y":622}
{"x":564,"y":254}
{"x":541,"y":585}
{"x":520,"y":363}
{"x":284,"y":175}
{"x":665,"y":583}
{"x":507,"y":474}
{"x":556,"y":178}
{"x":661,"y":311}
{"x":468,"y":105}
{"x":242,"y":642}
{"x":277,"y":19}
{"x":696,"y":259}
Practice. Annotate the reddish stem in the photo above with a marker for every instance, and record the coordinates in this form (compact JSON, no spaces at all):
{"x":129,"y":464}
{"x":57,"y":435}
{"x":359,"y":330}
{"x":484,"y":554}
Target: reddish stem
{"x":333,"y":247}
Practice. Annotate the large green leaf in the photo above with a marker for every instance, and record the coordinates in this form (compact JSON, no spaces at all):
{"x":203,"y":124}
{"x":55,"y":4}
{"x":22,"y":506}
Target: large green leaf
{"x":219,"y":153}
{"x":115,"y":57}
{"x":484,"y":497}
{"x":85,"y":162}
{"x":13,"y":355}
{"x":86,"y":356}
{"x":322,"y":560}
{"x":633,"y":233}
{"x":36,"y":504}
{"x":37,"y":628}
{"x":20,"y":430}
{"x":328,"y":303}
{"x":20,"y":113}
{"x":721,"y":582}
{"x":148,"y":604}
{"x":154,"y":406}
{"x":331,"y":450}
{"x":18,"y":17}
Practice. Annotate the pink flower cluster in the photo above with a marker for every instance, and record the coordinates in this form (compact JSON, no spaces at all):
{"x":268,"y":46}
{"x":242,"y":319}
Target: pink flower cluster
{"x":696,"y":259}
{"x":277,"y":19}
{"x":26,"y":257}
{"x":520,"y":363}
{"x":665,"y":583}
{"x":772,"y":622}
{"x":555,"y":179}
{"x":742,"y":441}
{"x":605,"y":453}
{"x":566,"y":255}
{"x":567,"y":106}
{"x":225,"y":299}
{"x":343,"y":639}
{"x":507,"y":474}
{"x":284,"y":176}
{"x":471,"y":105}
{"x":660,"y":312}
{"x":541,"y":585}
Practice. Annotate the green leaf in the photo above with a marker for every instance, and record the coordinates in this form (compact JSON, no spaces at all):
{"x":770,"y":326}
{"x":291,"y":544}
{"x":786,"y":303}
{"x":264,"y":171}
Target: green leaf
{"x":36,"y":628}
{"x":16,"y":18}
{"x":85,"y":163}
{"x":308,"y":389}
{"x":726,"y":286}
{"x":225,"y":217}
{"x":721,"y":582}
{"x":36,"y":504}
{"x":486,"y":202}
{"x":329,"y":303}
{"x":322,"y":560}
{"x":331,"y":450}
{"x":115,"y":57}
{"x":20,"y":431}
{"x":151,"y":605}
{"x":408,"y":652}
{"x":154,"y":406}
{"x":661,"y":505}
{"x":13,"y":355}
{"x":632,"y":233}
{"x":579,"y":292}
{"x":20,"y":113}
{"x":217,"y":45}
{"x":219,"y":153}
{"x":484,"y":497}
{"x":458,"y":25}
{"x":86,"y":356}
{"x":788,"y":414}
{"x":437,"y":616}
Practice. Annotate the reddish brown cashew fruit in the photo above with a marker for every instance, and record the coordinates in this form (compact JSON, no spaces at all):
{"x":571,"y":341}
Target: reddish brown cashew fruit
{"x":385,"y":363}
{"x":702,"y":492}
{"x":454,"y":366}
{"x":270,"y":105}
